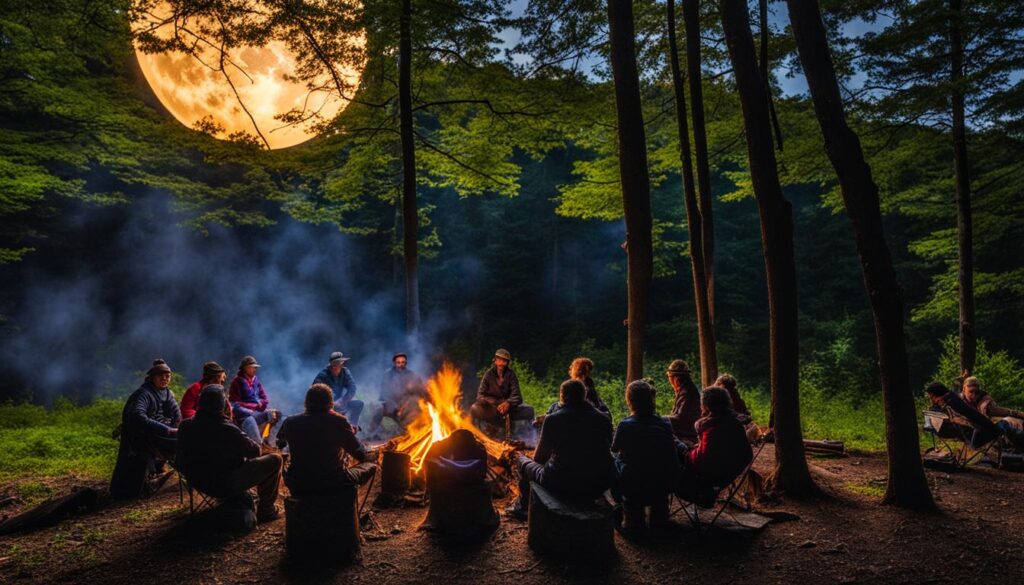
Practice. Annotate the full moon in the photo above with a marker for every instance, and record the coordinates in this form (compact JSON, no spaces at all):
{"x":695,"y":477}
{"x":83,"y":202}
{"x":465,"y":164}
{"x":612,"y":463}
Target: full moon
{"x":194,"y":91}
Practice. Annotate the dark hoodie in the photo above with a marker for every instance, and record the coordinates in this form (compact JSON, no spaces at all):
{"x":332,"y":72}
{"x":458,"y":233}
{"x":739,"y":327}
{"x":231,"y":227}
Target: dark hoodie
{"x":210,"y":446}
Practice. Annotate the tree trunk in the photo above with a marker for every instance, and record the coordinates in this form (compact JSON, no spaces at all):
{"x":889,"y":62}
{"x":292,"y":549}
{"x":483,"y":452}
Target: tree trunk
{"x":705,"y":330}
{"x":636,"y":188}
{"x":691,"y":18}
{"x":410,"y":215}
{"x":907,"y":486}
{"x":791,"y":472}
{"x":965,"y":228}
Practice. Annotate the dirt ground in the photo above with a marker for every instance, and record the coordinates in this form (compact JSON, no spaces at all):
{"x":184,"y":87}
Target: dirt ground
{"x":850,"y":539}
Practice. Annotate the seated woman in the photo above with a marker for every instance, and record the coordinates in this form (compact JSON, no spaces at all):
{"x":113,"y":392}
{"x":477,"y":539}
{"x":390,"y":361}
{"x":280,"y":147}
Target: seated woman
{"x":964,"y":411}
{"x":319,"y":440}
{"x":721,"y":453}
{"x":729,"y":383}
{"x":249,"y":401}
{"x":647,"y":464}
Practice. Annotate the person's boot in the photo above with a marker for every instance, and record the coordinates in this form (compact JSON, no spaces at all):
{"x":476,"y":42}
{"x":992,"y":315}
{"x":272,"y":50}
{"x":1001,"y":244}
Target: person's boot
{"x":659,"y":516}
{"x":633,"y":521}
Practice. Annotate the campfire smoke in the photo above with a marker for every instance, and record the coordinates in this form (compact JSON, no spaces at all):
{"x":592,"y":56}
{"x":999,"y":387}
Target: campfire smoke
{"x":440,"y":415}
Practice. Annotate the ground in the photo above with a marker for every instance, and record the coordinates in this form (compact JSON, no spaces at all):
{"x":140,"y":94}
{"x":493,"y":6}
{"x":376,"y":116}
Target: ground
{"x":848,"y":539}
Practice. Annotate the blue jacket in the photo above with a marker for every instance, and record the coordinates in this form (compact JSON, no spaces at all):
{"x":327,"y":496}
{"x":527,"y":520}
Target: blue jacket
{"x":150,"y":412}
{"x":647,"y":458}
{"x":343,"y":387}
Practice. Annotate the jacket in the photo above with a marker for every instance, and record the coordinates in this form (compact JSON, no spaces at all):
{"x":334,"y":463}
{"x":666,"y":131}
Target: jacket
{"x":723,"y":451}
{"x":190,"y":400}
{"x":574,"y":450}
{"x":397,"y":385}
{"x":247,"y":394}
{"x":150,"y":411}
{"x":343,"y":387}
{"x":318,"y":443}
{"x":647,"y":458}
{"x":685,"y":412}
{"x":209,"y":446}
{"x":493,"y":390}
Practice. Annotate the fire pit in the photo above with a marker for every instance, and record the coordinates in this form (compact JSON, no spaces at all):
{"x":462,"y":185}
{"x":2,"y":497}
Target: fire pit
{"x":440,"y":415}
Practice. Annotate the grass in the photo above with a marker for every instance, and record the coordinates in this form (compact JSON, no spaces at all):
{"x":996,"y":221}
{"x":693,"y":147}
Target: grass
{"x":63,"y":440}
{"x":874,"y":490}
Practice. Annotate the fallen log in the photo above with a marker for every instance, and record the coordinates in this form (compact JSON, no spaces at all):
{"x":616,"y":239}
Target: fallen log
{"x":827,"y":447}
{"x":54,"y":510}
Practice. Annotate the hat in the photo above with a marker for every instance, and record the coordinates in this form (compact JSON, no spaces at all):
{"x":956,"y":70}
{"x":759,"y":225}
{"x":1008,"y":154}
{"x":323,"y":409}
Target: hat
{"x":212,"y":368}
{"x":159,"y":367}
{"x":678,"y":367}
{"x":337,"y":356}
{"x":398,"y":355}
{"x":503,"y":354}
{"x":248,"y":361}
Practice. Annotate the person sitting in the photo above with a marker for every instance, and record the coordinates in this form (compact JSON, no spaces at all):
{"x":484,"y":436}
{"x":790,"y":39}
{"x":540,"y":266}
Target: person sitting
{"x":498,"y":398}
{"x":739,"y":406}
{"x":213,"y":373}
{"x":249,"y":401}
{"x":148,"y":434}
{"x":400,"y":391}
{"x":572,"y":459}
{"x":580,"y":369}
{"x":647,"y":460}
{"x":721,"y":453}
{"x":218,"y":459}
{"x":339,"y":379}
{"x":319,"y":440}
{"x":686,"y":406}
{"x":981,"y":428}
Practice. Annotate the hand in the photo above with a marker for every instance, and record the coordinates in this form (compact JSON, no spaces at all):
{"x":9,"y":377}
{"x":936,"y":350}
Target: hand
{"x":172,"y":432}
{"x":503,"y":408}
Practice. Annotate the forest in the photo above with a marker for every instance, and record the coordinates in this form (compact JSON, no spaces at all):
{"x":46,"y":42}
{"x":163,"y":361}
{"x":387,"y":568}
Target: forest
{"x":821,"y":198}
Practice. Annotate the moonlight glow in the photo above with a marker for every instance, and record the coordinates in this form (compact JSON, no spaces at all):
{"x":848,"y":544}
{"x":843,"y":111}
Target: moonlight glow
{"x":193,"y":91}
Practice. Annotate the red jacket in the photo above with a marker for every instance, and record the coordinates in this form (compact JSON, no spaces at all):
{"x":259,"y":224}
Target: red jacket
{"x":723,"y":452}
{"x":190,"y":400}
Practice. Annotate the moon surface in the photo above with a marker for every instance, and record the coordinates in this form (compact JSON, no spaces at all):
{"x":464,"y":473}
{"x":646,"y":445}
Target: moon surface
{"x":195,"y":91}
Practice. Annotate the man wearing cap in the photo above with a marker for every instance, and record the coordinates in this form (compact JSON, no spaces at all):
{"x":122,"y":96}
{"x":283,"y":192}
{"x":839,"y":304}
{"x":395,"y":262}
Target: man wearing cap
{"x":213,"y":373}
{"x":219,"y":460}
{"x":339,"y":379}
{"x":400,"y":389}
{"x":686,"y":407}
{"x":498,"y":396}
{"x":249,"y":400}
{"x":149,"y":427}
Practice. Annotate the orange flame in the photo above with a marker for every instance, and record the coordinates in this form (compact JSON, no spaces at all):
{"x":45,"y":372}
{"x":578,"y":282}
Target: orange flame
{"x":440,"y":415}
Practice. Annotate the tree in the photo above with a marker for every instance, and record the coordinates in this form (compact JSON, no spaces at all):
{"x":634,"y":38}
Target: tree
{"x":699,"y":258}
{"x":636,"y":189}
{"x":951,"y":66}
{"x":907,"y":486}
{"x":791,"y":473}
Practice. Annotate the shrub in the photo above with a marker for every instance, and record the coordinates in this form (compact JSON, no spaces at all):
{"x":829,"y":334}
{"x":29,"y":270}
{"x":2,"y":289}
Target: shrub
{"x":1000,"y":375}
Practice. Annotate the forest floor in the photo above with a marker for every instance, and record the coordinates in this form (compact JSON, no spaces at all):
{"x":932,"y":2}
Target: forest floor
{"x":847,"y":539}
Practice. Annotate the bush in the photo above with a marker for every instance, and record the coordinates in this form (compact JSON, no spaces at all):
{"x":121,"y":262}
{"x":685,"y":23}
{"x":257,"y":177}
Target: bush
{"x":1000,"y":375}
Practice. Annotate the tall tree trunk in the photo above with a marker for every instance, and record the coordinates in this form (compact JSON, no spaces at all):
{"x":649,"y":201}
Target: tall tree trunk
{"x":636,"y":188}
{"x":791,"y":472}
{"x":965,"y":227}
{"x":410,"y":214}
{"x":907,"y":486}
{"x":691,"y":18}
{"x":705,"y":329}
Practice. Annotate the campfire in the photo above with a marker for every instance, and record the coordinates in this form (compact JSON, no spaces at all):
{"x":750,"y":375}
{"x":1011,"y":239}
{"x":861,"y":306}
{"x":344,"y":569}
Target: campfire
{"x":441,"y":415}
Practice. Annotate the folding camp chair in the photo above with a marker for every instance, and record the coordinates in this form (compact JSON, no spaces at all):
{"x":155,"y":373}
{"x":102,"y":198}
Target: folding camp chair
{"x":692,"y":509}
{"x":944,"y":428}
